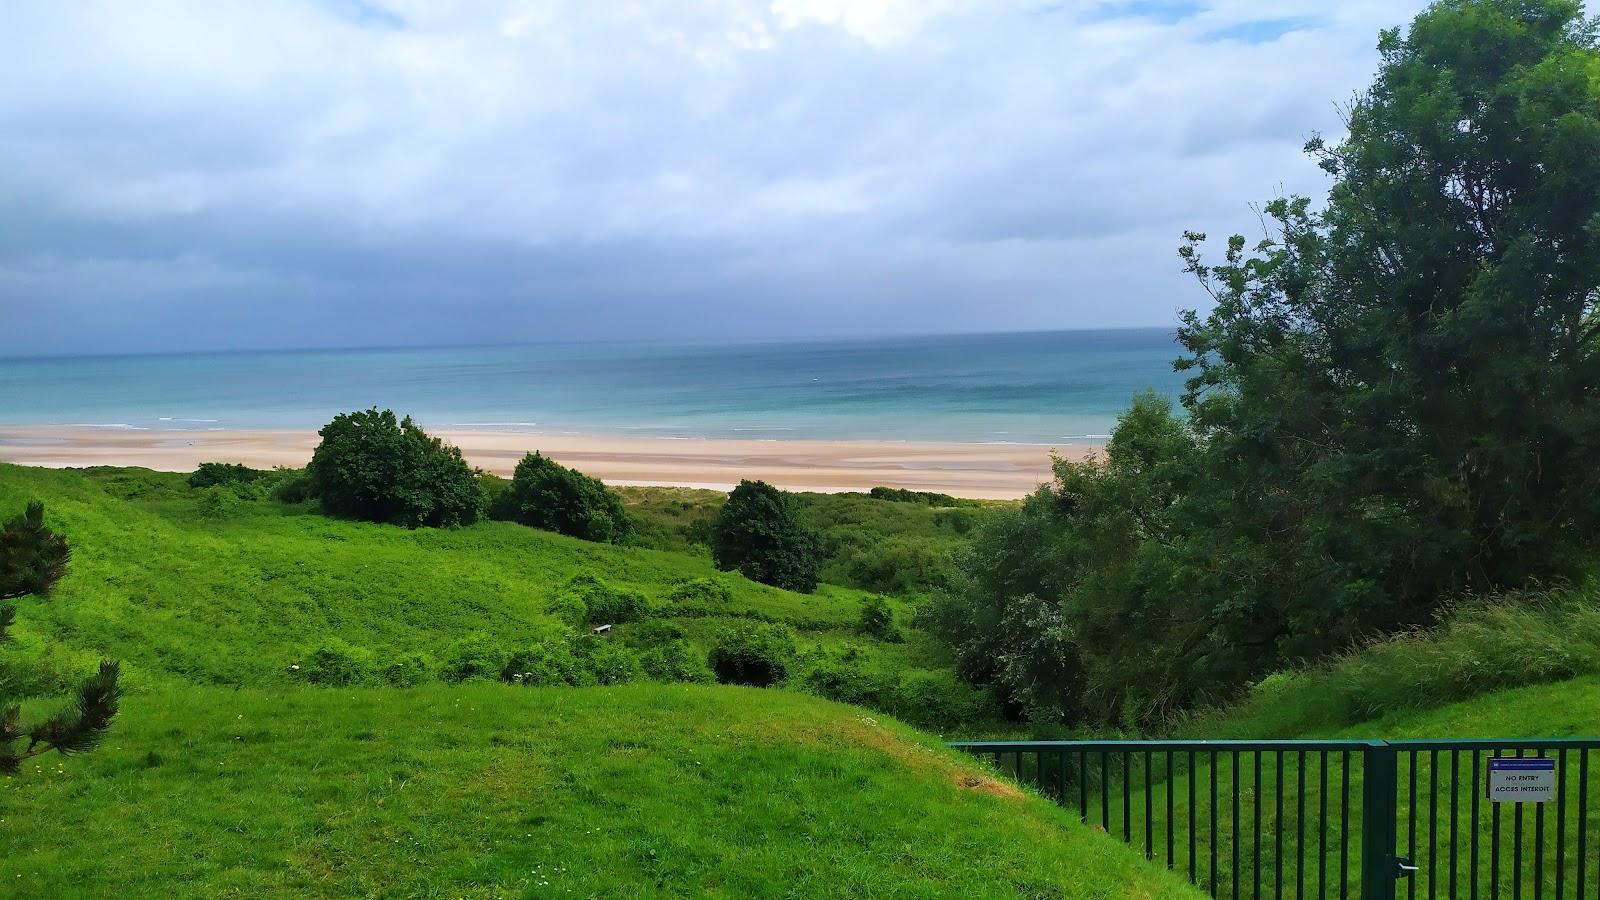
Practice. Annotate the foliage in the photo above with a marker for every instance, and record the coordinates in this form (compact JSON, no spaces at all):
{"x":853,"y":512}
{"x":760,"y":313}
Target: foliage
{"x":218,"y":502}
{"x":753,"y":653}
{"x":407,"y":669}
{"x":605,"y":660}
{"x":211,"y":474}
{"x":337,"y":663}
{"x":757,"y":533}
{"x":877,"y":620}
{"x":1392,"y":402}
{"x":473,"y":656}
{"x":293,"y":486}
{"x":547,"y":663}
{"x":699,"y":595}
{"x":372,"y":467}
{"x":32,"y":557}
{"x":676,"y":661}
{"x":926,"y":498}
{"x":547,"y":495}
{"x":586,"y":599}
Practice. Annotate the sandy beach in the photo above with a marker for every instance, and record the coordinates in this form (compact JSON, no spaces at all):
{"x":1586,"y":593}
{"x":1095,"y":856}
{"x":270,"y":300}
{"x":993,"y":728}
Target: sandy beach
{"x":992,"y":471}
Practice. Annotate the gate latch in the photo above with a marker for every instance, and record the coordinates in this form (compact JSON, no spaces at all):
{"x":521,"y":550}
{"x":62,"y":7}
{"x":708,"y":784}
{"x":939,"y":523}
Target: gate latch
{"x":1403,"y":867}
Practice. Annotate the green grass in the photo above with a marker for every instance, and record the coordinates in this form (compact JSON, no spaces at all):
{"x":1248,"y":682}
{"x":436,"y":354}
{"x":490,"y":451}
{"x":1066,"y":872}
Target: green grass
{"x":491,"y":791}
{"x":237,"y":599}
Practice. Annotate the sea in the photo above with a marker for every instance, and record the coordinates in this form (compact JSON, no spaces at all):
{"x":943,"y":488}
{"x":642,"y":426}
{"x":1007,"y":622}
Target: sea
{"x":1041,"y":387}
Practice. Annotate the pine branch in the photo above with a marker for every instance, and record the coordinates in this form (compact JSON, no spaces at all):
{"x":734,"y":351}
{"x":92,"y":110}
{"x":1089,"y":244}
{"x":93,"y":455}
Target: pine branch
{"x":81,"y":729}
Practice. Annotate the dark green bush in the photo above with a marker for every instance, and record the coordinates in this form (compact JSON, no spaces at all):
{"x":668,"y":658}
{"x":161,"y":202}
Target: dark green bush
{"x":650,"y":633}
{"x":877,"y":620}
{"x":940,"y":702}
{"x":547,"y":495}
{"x":926,"y":498}
{"x":606,"y":661}
{"x":215,"y":473}
{"x":676,"y":661}
{"x":406,"y":669}
{"x":753,"y":653}
{"x":370,"y":466}
{"x":293,"y":486}
{"x":848,"y":676}
{"x":546,"y":664}
{"x":757,"y":533}
{"x":704,"y":596}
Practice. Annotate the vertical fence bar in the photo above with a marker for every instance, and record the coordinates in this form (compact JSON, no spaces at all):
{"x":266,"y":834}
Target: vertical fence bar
{"x":1378,"y":813}
{"x":1475,"y":826}
{"x":1083,"y":786}
{"x":1105,"y":791}
{"x":1194,"y":772}
{"x":1213,"y":823}
{"x":1583,"y":815}
{"x":1433,"y":825}
{"x":1322,"y":830}
{"x":1344,"y":824}
{"x":1411,"y":823}
{"x":1300,"y":827}
{"x":1516,"y":847}
{"x":1561,"y":823}
{"x":1149,"y":785}
{"x":1277,"y":831}
{"x":1538,"y":842}
{"x":1170,"y":787}
{"x":1061,"y":778}
{"x":1455,"y":783}
{"x":1494,"y":846}
{"x":1235,"y":841}
{"x":1255,"y":830}
{"x":1127,"y":800}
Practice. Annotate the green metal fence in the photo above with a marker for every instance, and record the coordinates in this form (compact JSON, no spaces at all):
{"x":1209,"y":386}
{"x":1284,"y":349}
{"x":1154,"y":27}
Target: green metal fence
{"x":1377,"y":820}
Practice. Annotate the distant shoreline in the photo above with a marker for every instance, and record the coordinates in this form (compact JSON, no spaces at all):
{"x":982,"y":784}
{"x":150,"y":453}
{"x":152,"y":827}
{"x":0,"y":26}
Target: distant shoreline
{"x":976,"y":470}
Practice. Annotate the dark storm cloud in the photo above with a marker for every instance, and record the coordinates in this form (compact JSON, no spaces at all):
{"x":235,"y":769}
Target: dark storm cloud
{"x":343,"y":172}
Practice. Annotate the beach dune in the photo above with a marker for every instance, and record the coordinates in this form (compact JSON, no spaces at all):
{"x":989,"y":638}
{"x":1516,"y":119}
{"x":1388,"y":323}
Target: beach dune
{"x":987,"y":470}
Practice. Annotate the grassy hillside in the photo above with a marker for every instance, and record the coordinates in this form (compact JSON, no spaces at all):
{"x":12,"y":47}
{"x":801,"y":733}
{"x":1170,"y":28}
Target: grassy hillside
{"x":490,"y":791}
{"x":236,"y":595}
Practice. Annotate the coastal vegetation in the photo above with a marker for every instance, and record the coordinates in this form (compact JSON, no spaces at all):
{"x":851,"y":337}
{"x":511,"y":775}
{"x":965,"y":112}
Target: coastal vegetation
{"x":545,"y":494}
{"x":757,"y":534}
{"x":1392,"y":404}
{"x":373,"y":467}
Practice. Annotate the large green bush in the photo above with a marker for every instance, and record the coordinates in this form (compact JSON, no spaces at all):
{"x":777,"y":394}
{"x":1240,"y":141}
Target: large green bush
{"x":676,"y":661}
{"x":753,"y":653}
{"x":214,"y":473}
{"x":371,"y":466}
{"x":757,"y":533}
{"x":547,"y":495}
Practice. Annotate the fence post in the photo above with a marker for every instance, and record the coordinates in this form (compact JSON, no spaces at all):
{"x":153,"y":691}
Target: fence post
{"x":1379,"y":815}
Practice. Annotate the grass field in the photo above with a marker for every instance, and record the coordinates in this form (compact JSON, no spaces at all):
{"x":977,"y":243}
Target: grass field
{"x":493,"y":791}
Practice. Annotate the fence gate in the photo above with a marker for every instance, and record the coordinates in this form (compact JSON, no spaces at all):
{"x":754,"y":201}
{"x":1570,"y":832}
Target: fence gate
{"x":1377,"y":820}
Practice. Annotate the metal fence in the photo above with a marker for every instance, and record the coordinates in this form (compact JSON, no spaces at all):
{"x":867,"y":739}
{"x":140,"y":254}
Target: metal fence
{"x":1371,"y":819}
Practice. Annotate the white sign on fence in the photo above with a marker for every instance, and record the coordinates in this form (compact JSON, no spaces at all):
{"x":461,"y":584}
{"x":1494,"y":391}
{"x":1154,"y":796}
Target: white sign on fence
{"x":1529,"y":779}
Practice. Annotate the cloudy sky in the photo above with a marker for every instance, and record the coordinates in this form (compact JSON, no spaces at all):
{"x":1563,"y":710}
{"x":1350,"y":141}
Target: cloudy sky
{"x":218,"y":174}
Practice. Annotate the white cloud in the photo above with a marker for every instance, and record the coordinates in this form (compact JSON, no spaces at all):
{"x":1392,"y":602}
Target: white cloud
{"x":891,"y":163}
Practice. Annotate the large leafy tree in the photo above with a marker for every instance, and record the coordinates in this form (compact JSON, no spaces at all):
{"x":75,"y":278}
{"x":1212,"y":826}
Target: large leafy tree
{"x":1394,"y":401}
{"x":32,"y":559}
{"x":758,"y":533}
{"x":372,"y":466}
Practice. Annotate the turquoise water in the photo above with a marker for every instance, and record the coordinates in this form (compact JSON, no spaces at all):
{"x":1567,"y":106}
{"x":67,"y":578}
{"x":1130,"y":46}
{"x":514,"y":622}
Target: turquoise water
{"x":1025,"y":388}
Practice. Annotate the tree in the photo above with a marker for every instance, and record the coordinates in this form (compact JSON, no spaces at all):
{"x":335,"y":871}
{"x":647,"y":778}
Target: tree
{"x":757,"y":533}
{"x":32,"y":559}
{"x":547,"y":495}
{"x":371,"y":466}
{"x":1393,"y":402}
{"x":752,"y":653}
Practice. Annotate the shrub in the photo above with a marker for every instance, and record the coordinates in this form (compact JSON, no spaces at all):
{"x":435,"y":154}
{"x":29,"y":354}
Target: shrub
{"x":752,"y":653}
{"x":676,"y":661}
{"x":407,"y":669}
{"x":370,"y":466}
{"x":757,"y":533}
{"x":294,"y":486}
{"x":926,"y":498}
{"x":848,"y":677}
{"x":471,"y":657}
{"x":214,"y":473}
{"x":547,"y":495}
{"x":218,"y":502}
{"x":606,"y":661}
{"x":877,"y":620}
{"x":337,"y":663}
{"x":938,"y":701}
{"x":569,"y":608}
{"x":602,"y":604}
{"x":549,"y":663}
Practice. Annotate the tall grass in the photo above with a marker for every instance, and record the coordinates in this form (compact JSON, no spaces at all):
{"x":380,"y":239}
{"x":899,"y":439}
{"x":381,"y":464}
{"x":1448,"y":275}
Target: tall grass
{"x":1478,"y":647}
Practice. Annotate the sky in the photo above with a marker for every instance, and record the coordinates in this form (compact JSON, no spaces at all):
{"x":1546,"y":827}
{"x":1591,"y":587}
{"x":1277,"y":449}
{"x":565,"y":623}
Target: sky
{"x":233,"y":174}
